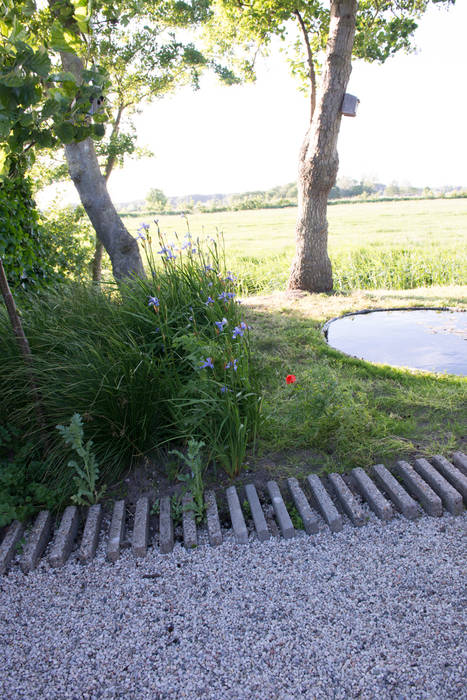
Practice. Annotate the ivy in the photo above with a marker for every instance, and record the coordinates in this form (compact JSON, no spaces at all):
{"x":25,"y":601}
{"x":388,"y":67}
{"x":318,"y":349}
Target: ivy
{"x":20,"y":233}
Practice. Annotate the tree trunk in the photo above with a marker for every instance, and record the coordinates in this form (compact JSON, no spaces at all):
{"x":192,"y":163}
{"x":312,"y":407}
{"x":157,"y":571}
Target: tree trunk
{"x":99,"y":249}
{"x":318,"y":164}
{"x":24,"y":348}
{"x":86,"y":174}
{"x":97,"y":261}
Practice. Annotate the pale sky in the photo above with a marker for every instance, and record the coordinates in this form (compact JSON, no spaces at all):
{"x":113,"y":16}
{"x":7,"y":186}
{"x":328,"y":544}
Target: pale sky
{"x":410,"y":126}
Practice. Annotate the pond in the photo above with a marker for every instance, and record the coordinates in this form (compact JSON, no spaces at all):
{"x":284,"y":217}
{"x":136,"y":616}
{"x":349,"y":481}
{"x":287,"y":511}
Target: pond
{"x":426,"y":339}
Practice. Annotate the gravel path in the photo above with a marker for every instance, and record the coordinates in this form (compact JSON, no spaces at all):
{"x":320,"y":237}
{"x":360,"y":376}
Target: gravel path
{"x":376,"y":612}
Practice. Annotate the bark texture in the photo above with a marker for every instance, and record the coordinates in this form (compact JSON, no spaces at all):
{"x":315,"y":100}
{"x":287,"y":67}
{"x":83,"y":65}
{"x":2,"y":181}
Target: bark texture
{"x":86,"y":174}
{"x":99,"y":250}
{"x":318,"y":164}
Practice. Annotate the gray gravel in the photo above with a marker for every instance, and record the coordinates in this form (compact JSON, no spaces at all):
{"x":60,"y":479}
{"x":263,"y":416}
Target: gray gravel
{"x":375,"y":612}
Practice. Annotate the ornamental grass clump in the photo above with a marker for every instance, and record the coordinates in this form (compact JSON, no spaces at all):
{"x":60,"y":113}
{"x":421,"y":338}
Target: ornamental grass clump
{"x":151,"y":363}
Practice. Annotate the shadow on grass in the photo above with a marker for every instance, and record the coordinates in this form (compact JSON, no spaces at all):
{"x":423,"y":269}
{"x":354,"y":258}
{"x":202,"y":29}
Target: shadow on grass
{"x":342,"y":412}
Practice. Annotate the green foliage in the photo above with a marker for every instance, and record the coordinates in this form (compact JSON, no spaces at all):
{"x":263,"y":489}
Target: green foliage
{"x":194,"y":479}
{"x":41,"y":250}
{"x":68,"y":241}
{"x":156,"y":199}
{"x":21,"y":246}
{"x":40,"y":106}
{"x":23,"y":490}
{"x":342,"y":412}
{"x":148,"y":49}
{"x":400,"y":244}
{"x":295,"y":516}
{"x":133,"y":370}
{"x":383,"y":28}
{"x":86,"y":473}
{"x":374,"y":267}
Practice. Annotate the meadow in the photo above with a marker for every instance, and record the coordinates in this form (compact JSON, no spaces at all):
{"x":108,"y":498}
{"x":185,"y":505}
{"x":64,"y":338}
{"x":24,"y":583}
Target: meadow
{"x":139,"y":377}
{"x":397,"y":245}
{"x":344,"y":412}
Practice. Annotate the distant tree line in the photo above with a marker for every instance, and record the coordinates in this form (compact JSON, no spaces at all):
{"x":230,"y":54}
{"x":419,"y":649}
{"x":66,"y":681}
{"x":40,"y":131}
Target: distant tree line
{"x":284,"y":196}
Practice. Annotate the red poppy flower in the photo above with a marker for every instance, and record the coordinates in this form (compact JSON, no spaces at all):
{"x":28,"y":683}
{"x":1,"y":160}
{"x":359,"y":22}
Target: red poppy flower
{"x":290,"y":379}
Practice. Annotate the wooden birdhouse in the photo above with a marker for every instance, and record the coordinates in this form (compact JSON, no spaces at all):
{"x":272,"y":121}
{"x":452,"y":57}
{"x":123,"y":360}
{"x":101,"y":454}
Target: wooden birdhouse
{"x":349,"y":105}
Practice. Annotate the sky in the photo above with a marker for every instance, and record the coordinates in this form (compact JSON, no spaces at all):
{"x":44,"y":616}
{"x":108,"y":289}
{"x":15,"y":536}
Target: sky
{"x":410,"y":126}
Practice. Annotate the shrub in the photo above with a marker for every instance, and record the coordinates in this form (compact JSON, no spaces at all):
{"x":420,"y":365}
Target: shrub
{"x":22,"y":489}
{"x":41,"y":250}
{"x":68,"y":241}
{"x":155,"y":361}
{"x":20,"y":234}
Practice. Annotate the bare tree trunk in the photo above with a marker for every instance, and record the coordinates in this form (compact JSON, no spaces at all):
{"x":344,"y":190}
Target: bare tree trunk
{"x":86,"y":174}
{"x":318,"y":164}
{"x":99,"y":250}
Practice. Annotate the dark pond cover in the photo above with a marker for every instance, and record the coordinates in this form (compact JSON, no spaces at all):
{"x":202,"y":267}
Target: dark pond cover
{"x":427,"y":339}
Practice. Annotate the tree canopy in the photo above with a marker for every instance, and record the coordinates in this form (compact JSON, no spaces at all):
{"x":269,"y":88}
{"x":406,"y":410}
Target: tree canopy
{"x":40,"y":104}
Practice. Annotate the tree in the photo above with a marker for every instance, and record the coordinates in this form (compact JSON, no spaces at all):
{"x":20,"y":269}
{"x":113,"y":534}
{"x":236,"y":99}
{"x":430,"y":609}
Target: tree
{"x":144,"y":58}
{"x":41,"y":105}
{"x":156,"y":199}
{"x":325,"y":37}
{"x":57,"y":60}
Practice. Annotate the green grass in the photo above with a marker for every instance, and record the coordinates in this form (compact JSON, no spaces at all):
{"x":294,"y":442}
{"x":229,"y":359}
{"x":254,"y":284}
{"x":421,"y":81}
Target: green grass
{"x":108,"y":362}
{"x":344,"y":412}
{"x":398,"y":245}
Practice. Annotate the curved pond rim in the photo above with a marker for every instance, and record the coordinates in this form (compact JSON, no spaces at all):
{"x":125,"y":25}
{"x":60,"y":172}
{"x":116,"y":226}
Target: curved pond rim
{"x":325,"y":326}
{"x":405,"y":346}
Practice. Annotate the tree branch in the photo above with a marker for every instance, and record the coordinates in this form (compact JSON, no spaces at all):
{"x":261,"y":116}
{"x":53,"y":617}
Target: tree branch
{"x":24,"y":347}
{"x":311,"y":67}
{"x":115,"y":129}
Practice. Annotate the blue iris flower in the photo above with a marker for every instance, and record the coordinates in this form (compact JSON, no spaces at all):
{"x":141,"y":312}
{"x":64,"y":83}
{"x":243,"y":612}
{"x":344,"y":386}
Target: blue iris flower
{"x":207,"y":363}
{"x":220,"y":324}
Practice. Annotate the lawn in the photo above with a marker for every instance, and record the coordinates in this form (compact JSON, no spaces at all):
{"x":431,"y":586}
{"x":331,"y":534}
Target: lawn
{"x":146,"y":379}
{"x":343,"y":412}
{"x":403,"y":244}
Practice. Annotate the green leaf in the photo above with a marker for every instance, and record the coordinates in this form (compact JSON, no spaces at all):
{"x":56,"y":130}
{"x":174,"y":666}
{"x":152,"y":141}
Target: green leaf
{"x":65,"y":132}
{"x":62,"y":77}
{"x":40,"y":63}
{"x":5,"y":127}
{"x":64,"y":40}
{"x":98,"y":130}
{"x":12,"y":79}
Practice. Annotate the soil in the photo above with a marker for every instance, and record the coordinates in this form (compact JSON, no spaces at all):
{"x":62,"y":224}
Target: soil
{"x":150,"y":476}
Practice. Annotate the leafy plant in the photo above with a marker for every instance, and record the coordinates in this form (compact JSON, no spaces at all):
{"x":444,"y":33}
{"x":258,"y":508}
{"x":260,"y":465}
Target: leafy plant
{"x":176,"y":509}
{"x":23,"y":491}
{"x":194,"y":479}
{"x":134,"y":362}
{"x":295,"y":516}
{"x":87,"y":474}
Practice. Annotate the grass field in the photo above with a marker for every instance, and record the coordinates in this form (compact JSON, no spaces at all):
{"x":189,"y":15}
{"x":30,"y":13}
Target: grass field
{"x":340,"y":413}
{"x":344,"y":412}
{"x":401,"y":245}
